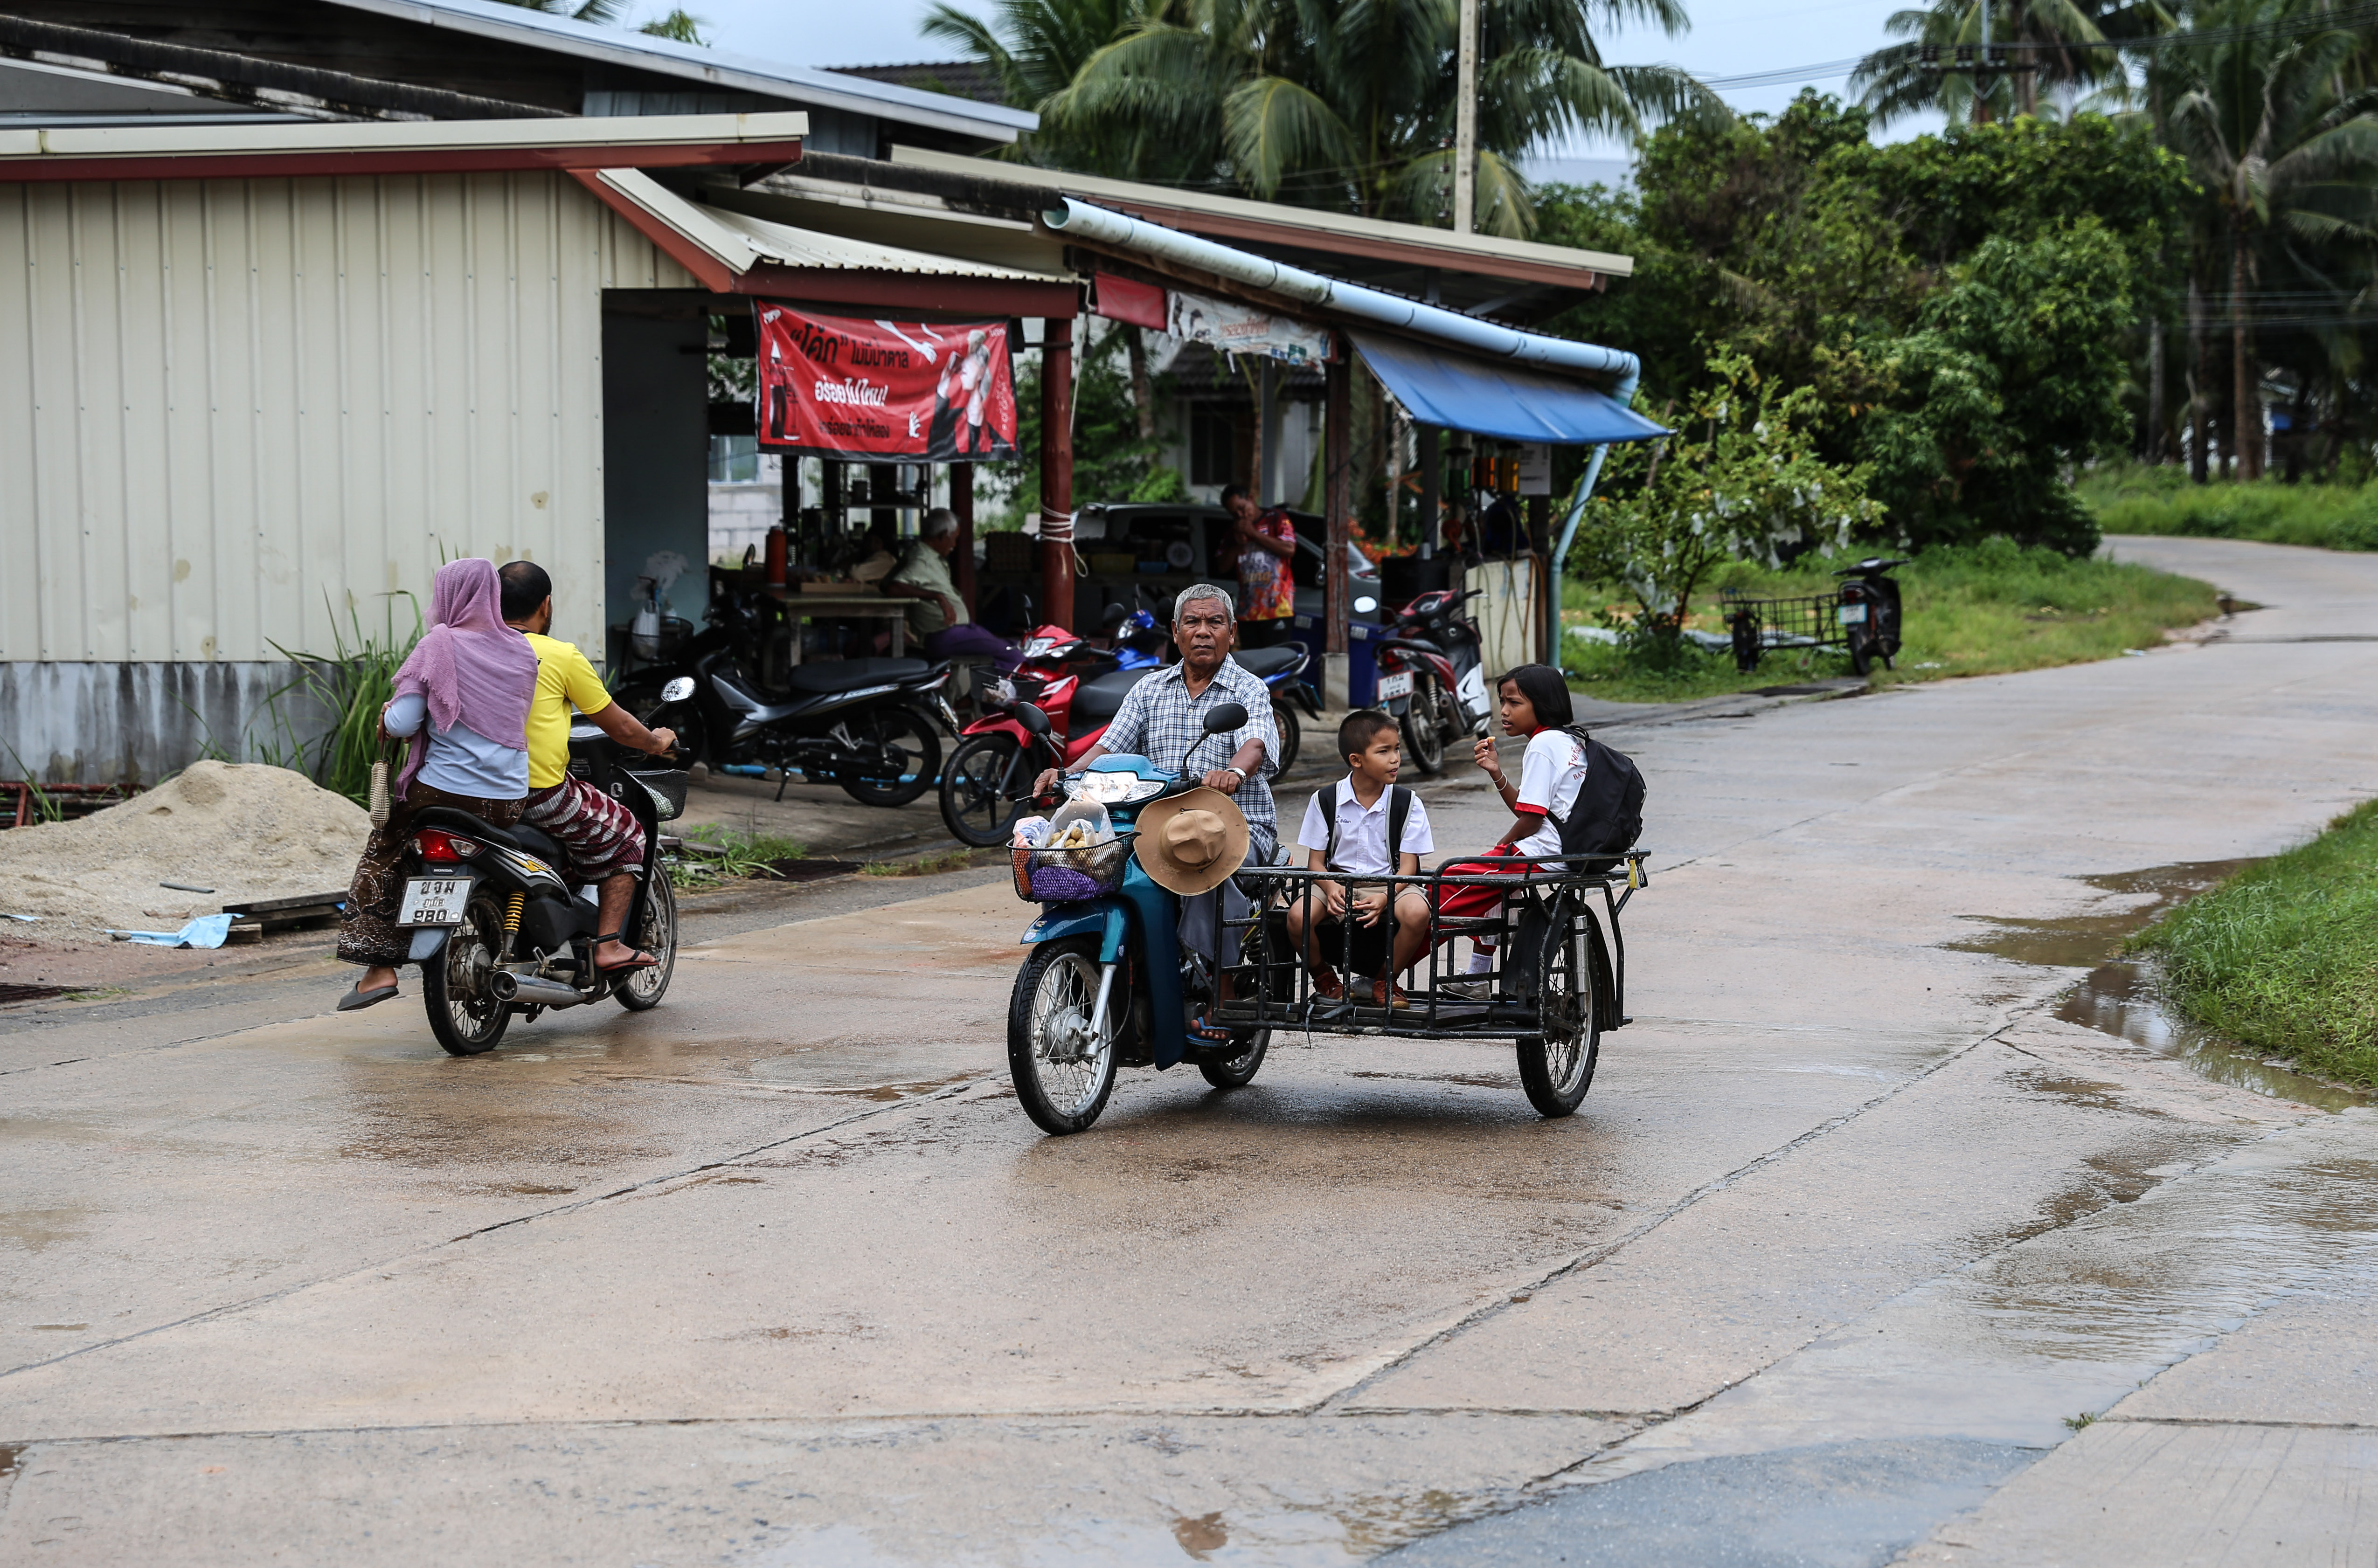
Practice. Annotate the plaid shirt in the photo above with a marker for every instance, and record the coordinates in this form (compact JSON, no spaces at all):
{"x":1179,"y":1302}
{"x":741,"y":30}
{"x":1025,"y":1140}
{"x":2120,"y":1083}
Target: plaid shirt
{"x":1158,"y":720}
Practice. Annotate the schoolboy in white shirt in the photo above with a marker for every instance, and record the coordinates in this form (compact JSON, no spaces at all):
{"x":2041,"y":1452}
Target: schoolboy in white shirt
{"x":1346,"y":829}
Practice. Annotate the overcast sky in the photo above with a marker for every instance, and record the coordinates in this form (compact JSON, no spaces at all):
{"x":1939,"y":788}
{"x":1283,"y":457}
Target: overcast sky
{"x":1728,"y":38}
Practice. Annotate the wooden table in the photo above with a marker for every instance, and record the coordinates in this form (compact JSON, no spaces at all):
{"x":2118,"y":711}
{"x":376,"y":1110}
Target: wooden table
{"x":800,"y":606}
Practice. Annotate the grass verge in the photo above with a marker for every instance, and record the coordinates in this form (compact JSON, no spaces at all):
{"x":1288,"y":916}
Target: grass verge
{"x":714,"y":854}
{"x":2129,"y":499}
{"x":2283,"y":956}
{"x":1982,"y":609}
{"x":921,"y":866}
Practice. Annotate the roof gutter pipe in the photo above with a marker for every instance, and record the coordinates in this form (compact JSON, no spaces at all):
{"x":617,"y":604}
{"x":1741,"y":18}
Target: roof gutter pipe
{"x":1078,"y":219}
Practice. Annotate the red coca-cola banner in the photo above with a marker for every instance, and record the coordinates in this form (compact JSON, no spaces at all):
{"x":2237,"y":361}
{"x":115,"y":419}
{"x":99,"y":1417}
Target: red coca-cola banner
{"x":938,"y":391}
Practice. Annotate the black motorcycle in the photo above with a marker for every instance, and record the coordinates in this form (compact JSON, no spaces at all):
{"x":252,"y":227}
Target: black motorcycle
{"x":500,"y":927}
{"x":1869,"y":613}
{"x":866,"y":724}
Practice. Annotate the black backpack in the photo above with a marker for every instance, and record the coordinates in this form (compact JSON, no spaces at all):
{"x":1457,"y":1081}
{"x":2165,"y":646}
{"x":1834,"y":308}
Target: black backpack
{"x":1607,"y":816}
{"x":1399,"y":801}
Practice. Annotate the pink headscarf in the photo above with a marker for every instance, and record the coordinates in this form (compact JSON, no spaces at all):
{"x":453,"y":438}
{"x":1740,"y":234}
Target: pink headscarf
{"x":471,"y":668}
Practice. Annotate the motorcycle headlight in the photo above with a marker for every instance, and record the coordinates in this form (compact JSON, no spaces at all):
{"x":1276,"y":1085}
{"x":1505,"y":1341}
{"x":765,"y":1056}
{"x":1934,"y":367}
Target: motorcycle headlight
{"x":1040,"y":647}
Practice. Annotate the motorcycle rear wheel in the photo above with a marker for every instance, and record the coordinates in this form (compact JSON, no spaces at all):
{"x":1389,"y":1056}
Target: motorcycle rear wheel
{"x":1063,"y":1076}
{"x":1238,"y":1071}
{"x":1423,"y":724}
{"x":464,"y":1011}
{"x":972,"y":807}
{"x":1292,"y":735}
{"x":901,"y":755}
{"x":656,"y":933}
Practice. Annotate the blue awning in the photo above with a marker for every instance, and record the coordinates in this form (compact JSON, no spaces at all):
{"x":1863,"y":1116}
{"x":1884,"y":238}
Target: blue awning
{"x":1462,"y":393}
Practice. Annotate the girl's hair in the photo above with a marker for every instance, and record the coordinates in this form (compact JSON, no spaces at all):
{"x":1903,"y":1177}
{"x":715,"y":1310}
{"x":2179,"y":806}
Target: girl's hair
{"x":1545,"y":692}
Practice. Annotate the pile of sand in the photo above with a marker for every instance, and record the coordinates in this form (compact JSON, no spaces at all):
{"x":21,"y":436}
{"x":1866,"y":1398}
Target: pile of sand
{"x":244,"y":830}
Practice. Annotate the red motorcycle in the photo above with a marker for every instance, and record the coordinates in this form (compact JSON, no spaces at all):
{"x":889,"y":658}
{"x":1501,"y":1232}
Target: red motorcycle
{"x":988,"y":783}
{"x":1430,"y":679}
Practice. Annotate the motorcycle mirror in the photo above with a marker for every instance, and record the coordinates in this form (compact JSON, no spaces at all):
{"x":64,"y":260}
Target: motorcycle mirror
{"x":678,"y":689}
{"x":1032,"y":718}
{"x":1226,"y":718}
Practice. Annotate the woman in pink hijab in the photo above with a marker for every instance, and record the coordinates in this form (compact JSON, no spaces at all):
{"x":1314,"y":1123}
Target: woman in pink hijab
{"x":463,"y":699}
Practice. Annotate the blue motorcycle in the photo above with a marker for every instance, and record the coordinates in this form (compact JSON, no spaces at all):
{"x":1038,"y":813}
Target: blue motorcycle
{"x":1108,"y":982}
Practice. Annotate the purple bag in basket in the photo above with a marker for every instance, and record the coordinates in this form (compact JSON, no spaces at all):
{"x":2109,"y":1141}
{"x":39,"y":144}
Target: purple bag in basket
{"x":1062,"y":884}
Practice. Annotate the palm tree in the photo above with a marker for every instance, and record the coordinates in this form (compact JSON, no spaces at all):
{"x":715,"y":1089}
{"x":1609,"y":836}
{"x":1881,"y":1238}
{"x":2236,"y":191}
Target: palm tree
{"x":2287,"y":151}
{"x":1035,"y":48}
{"x":1897,"y":82}
{"x":1350,"y":103}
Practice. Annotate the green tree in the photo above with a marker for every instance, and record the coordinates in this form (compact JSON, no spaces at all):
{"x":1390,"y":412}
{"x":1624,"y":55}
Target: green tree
{"x":1349,"y":104}
{"x":679,"y":24}
{"x":2287,"y":148}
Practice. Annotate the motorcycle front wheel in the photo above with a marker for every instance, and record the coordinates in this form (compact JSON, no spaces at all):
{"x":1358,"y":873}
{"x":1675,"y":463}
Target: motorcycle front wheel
{"x":656,"y":933}
{"x":1423,"y":724}
{"x":973,"y":808}
{"x":1292,"y":735}
{"x":455,"y":986}
{"x":1062,"y":1073}
{"x":899,"y":757}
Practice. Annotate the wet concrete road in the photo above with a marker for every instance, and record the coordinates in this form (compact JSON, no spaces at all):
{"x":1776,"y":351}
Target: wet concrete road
{"x":1856,"y":1252}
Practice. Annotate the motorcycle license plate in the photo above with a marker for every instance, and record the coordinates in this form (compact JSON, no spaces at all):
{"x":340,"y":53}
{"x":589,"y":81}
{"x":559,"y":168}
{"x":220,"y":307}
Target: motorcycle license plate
{"x":1853,"y":615}
{"x":434,"y":900}
{"x":1395,"y":686}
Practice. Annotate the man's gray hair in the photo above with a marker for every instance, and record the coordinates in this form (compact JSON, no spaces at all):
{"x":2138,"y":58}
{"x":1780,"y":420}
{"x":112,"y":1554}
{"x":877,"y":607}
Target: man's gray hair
{"x":1197,"y":591}
{"x":937,"y":522}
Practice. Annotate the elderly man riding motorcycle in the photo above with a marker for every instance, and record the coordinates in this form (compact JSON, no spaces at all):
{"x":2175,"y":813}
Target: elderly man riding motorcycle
{"x":1163,"y":716}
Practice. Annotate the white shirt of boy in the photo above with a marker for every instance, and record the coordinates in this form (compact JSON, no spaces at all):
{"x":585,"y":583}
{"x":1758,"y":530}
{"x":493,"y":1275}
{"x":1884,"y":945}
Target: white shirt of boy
{"x":1550,"y":777}
{"x":1362,"y":831}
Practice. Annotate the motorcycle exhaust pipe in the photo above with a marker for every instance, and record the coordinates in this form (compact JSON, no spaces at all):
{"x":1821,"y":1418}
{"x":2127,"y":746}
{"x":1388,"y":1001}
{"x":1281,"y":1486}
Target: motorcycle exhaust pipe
{"x":533,"y":990}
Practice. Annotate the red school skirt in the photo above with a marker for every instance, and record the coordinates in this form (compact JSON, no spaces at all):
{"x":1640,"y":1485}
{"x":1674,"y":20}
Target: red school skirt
{"x":1475,"y":899}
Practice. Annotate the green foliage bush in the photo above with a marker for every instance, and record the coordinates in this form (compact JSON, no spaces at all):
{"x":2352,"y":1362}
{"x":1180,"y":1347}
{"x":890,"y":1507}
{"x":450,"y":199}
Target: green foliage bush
{"x":2126,"y":499}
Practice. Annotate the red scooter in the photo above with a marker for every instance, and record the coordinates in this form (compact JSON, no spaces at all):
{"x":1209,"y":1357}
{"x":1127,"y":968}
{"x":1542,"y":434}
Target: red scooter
{"x":988,"y":783}
{"x":1431,"y":680}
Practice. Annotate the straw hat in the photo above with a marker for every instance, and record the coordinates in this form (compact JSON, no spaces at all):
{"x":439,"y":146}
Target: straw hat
{"x":1191,"y":844}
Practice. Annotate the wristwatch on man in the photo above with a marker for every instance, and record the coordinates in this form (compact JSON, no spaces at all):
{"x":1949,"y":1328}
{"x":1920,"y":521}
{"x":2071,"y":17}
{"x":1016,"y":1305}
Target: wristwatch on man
{"x":1234,"y":768}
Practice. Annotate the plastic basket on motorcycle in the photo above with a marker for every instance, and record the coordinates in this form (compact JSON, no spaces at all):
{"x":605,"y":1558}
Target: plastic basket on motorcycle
{"x":1068,"y":876}
{"x":667,"y":789}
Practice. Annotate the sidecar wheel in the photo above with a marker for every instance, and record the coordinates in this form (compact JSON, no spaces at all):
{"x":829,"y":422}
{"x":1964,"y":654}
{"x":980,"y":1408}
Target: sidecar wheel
{"x":1063,"y":1076}
{"x":1556,"y":1066}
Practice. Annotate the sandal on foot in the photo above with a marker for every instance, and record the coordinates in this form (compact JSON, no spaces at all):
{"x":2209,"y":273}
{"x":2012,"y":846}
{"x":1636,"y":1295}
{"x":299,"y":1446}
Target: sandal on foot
{"x":358,"y":999}
{"x":643,"y":960}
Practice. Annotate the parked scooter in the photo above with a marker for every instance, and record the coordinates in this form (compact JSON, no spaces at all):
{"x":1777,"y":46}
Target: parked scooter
{"x":499,"y":928}
{"x":1430,"y":675}
{"x":1870,"y":613}
{"x":989,"y":782}
{"x":1107,"y":980}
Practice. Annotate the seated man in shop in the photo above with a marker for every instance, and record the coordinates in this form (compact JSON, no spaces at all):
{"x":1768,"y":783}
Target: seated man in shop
{"x":938,"y":620}
{"x":605,"y":841}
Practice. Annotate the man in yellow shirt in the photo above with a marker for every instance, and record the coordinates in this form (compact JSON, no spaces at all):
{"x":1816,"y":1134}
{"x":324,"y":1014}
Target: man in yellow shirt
{"x":605,"y":841}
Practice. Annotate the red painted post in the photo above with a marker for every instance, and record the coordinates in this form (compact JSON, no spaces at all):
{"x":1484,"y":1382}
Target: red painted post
{"x":1057,"y":472}
{"x":962,"y":503}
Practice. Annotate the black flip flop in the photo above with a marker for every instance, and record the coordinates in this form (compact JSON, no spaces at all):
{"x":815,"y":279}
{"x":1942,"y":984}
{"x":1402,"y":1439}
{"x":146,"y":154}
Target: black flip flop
{"x":358,"y":999}
{"x":643,"y":960}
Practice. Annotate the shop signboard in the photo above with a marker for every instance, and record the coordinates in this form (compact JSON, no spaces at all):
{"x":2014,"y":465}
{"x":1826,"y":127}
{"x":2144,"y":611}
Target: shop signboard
{"x":940,"y":391}
{"x":1242,"y":328}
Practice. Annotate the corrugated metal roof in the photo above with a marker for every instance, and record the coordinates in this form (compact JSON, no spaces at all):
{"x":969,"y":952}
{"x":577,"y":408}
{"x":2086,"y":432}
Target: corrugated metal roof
{"x":812,"y":85}
{"x":411,"y":135}
{"x":741,"y":242}
{"x":806,"y":248}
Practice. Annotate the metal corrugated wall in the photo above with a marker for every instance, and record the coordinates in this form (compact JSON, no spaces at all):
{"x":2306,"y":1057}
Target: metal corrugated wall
{"x":233,"y":414}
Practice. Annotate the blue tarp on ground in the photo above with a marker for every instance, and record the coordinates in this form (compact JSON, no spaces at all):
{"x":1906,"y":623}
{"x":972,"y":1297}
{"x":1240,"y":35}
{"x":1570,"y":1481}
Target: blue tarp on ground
{"x":1504,"y":401}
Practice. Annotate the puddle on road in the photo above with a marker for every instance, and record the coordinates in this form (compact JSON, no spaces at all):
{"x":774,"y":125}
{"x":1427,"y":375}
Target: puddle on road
{"x":2119,"y":995}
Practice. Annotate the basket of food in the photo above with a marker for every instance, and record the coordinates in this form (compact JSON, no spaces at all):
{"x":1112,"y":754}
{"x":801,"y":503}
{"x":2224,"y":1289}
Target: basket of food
{"x":1075,"y":855}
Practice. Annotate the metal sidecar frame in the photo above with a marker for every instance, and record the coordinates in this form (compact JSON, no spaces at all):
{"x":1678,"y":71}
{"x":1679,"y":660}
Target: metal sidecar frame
{"x":1552,"y":911}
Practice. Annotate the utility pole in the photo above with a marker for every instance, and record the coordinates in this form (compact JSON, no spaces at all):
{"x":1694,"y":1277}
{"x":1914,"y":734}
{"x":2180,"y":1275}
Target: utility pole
{"x":1465,"y":124}
{"x":1982,"y":77}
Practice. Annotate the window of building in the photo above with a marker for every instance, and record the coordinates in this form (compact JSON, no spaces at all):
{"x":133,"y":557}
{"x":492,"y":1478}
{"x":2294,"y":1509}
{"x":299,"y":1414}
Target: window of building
{"x":1213,"y":447}
{"x":734,"y":460}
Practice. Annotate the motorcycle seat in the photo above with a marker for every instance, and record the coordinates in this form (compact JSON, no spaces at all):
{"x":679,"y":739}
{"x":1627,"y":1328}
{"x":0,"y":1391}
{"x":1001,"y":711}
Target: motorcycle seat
{"x":1262,"y":662}
{"x":849,"y":675}
{"x":1096,"y":701}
